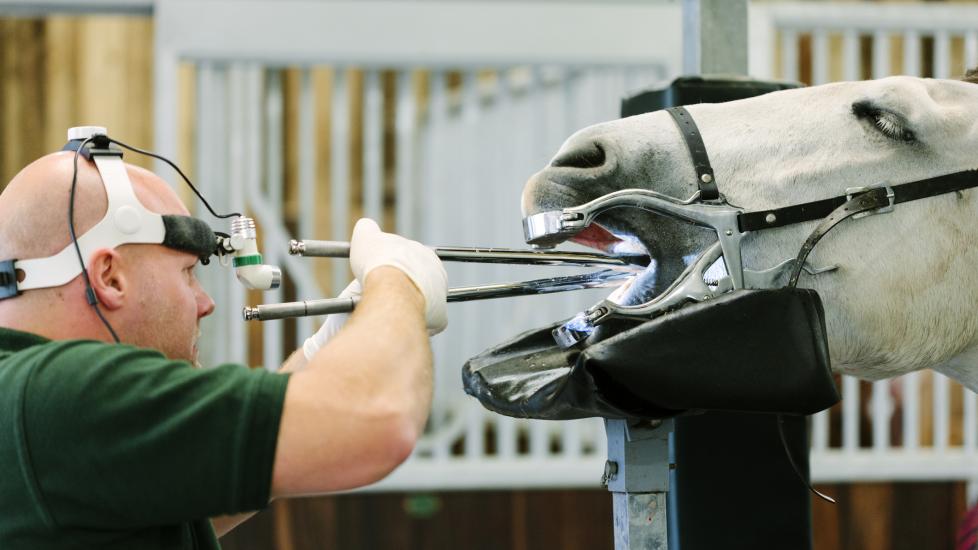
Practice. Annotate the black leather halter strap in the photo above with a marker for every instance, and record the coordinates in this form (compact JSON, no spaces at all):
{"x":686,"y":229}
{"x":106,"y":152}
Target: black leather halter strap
{"x":872,"y":199}
{"x":920,"y":189}
{"x":697,"y":152}
{"x":831,"y":211}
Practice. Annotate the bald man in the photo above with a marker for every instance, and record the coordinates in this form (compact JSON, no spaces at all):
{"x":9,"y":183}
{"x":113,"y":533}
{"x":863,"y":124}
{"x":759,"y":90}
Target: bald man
{"x":107,"y":445}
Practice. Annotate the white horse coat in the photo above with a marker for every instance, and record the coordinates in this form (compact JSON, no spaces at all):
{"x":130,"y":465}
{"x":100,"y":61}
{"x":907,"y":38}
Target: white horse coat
{"x":905,"y":294}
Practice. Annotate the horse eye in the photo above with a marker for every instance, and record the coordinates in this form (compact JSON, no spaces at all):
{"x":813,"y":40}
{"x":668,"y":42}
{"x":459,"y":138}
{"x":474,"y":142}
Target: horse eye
{"x":887,"y":123}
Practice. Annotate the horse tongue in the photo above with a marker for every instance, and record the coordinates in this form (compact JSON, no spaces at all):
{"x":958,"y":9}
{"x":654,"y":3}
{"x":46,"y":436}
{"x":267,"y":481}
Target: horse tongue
{"x":597,"y":237}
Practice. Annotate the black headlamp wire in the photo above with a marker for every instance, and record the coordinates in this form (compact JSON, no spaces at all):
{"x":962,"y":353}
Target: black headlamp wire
{"x":794,"y":465}
{"x":90,"y":296}
{"x":182,"y":175}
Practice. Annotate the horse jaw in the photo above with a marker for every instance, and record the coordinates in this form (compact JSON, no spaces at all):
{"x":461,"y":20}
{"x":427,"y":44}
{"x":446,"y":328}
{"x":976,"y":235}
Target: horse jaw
{"x":890,"y":308}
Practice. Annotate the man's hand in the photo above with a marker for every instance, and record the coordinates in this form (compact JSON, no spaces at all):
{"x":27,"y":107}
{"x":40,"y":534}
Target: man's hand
{"x":371,"y":248}
{"x":333,"y":324}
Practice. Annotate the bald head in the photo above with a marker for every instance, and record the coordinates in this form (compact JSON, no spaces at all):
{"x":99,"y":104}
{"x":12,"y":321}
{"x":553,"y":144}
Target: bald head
{"x":34,"y":205}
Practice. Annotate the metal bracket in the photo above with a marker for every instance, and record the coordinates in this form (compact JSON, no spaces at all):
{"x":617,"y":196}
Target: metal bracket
{"x":853,"y":191}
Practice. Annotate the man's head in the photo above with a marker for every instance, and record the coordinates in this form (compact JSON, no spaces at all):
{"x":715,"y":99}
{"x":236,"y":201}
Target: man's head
{"x":147,"y":292}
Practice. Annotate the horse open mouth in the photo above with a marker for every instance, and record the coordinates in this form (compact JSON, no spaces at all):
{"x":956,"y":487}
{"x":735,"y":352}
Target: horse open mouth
{"x":600,"y":238}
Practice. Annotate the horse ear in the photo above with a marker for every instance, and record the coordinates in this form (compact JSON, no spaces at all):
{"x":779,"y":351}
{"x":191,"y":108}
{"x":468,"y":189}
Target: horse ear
{"x":971,"y":76}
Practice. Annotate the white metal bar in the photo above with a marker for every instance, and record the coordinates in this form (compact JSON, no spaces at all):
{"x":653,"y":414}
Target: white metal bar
{"x":850,"y":414}
{"x":490,"y":179}
{"x":942,"y":410}
{"x":942,"y":54}
{"x":376,"y":34}
{"x":212,"y":165}
{"x":271,"y":198}
{"x":971,"y":49}
{"x":431,"y":227}
{"x":893,"y":17}
{"x":820,"y":56}
{"x":339,"y":180}
{"x":474,"y":445}
{"x":272,"y":139}
{"x":523,"y":472}
{"x":789,"y":55}
{"x":373,"y":147}
{"x":920,"y":465}
{"x":40,"y":8}
{"x":881,"y":416}
{"x":820,"y":431}
{"x":911,"y":411}
{"x":308,"y":207}
{"x":881,"y":54}
{"x":406,"y":176}
{"x":306,"y":139}
{"x":911,"y":53}
{"x":244,"y":108}
{"x":166,"y":78}
{"x":850,"y":55}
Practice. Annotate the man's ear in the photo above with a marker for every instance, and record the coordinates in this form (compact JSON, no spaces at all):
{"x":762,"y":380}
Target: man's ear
{"x":107,"y":275}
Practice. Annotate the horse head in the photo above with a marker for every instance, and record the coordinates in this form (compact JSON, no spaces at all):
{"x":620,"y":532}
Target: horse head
{"x":905,"y":291}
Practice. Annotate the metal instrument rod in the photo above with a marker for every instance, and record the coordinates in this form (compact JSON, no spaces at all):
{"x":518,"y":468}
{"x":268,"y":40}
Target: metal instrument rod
{"x":599,"y":279}
{"x":341,"y":249}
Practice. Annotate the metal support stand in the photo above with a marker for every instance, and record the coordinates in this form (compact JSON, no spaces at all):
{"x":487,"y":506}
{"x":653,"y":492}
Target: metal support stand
{"x":715,"y":37}
{"x":637,"y":474}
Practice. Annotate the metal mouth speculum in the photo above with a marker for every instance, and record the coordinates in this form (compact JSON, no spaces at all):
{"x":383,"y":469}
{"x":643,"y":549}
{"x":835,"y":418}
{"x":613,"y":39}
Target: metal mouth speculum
{"x":690,"y":286}
{"x":551,"y":228}
{"x":693,"y":285}
{"x":547,"y":229}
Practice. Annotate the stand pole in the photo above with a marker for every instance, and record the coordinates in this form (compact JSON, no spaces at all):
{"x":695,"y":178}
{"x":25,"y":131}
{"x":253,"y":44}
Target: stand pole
{"x":637,"y":474}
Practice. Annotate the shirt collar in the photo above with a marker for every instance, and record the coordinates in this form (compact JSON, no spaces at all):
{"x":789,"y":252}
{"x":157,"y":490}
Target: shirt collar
{"x":15,"y":340}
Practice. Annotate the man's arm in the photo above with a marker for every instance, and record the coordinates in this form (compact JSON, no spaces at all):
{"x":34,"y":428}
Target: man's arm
{"x":295,"y":362}
{"x":355,"y":411}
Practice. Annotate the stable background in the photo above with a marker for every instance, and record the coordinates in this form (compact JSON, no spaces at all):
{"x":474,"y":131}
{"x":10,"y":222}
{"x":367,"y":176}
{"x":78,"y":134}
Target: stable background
{"x":438,"y":148}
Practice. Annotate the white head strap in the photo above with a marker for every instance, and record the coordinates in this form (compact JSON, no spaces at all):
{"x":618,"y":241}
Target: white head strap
{"x":126,"y":220}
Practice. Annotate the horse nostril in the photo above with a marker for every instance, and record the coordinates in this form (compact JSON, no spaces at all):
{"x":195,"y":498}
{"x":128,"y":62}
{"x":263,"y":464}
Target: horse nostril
{"x":590,"y":155}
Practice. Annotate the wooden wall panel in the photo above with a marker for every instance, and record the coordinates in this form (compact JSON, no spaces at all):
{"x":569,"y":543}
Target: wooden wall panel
{"x":21,"y":93}
{"x":60,"y":72}
{"x":868,"y":516}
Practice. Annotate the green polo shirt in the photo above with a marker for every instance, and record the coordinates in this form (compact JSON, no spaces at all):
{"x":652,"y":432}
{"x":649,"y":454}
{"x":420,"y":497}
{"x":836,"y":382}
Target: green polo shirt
{"x":112,"y":446}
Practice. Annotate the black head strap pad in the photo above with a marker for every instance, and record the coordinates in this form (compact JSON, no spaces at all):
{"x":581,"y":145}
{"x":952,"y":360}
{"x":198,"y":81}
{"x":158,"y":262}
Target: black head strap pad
{"x":189,"y":234}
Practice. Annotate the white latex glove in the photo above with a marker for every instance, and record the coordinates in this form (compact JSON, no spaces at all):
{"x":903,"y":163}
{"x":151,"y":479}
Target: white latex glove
{"x":334,"y":322}
{"x":371,"y":248}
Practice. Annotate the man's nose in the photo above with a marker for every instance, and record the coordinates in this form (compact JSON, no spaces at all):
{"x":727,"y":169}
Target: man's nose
{"x":205,"y":305}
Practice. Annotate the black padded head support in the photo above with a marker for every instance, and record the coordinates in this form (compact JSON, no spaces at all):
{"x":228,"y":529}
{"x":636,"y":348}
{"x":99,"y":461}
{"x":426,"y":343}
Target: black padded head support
{"x":189,"y":234}
{"x":767,"y":352}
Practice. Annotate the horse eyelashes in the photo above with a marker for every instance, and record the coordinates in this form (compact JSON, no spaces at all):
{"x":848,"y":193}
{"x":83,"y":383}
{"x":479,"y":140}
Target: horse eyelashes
{"x":887,"y":123}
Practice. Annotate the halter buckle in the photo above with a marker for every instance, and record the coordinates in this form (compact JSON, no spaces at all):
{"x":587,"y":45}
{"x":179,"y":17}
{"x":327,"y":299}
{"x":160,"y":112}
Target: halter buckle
{"x":890,"y":196}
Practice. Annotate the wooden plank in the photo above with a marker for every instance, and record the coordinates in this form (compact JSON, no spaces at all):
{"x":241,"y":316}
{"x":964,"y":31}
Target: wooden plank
{"x":61,"y":76}
{"x":322,"y":84}
{"x":23,"y":85}
{"x":115,"y":80}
